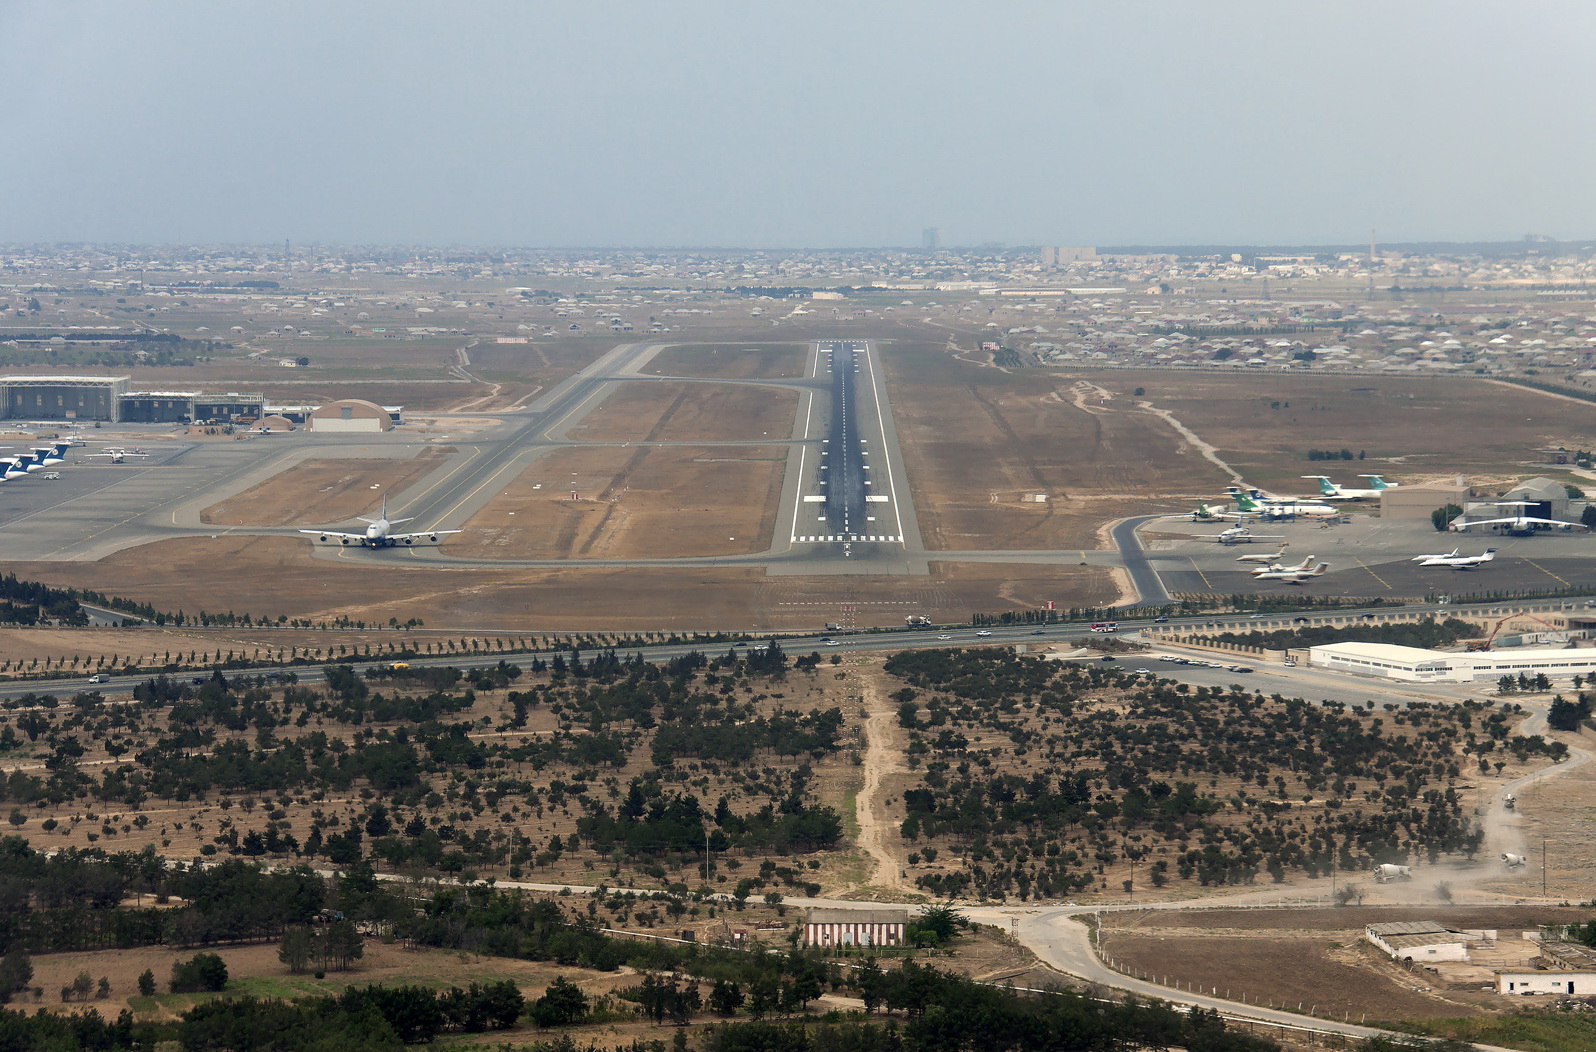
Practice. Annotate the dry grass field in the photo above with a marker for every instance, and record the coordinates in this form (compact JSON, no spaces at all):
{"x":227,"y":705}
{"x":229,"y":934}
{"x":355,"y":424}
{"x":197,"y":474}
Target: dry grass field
{"x":1412,"y":429}
{"x":638,"y":502}
{"x":287,"y":579}
{"x":726,"y":362}
{"x":254,"y":969}
{"x":669,"y":411}
{"x":321,"y":491}
{"x":977,"y":440}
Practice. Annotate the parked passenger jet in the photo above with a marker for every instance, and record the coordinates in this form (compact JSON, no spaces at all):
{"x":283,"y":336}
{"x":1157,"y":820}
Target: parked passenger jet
{"x":1460,"y":562}
{"x":1293,"y":576}
{"x":1519,"y":525}
{"x":377,"y":534}
{"x":15,"y":467}
{"x":1284,"y":509}
{"x":1206,"y":514}
{"x":118,"y":456}
{"x":1330,"y":491}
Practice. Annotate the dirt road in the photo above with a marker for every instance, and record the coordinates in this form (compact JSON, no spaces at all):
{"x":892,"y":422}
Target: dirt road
{"x":881,"y":758}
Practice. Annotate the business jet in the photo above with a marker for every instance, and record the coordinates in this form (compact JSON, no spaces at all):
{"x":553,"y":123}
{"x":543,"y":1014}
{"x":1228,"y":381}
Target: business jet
{"x":1330,"y":491}
{"x":1276,"y":567}
{"x":1519,"y":525}
{"x":1453,"y":554}
{"x":1294,"y":575}
{"x":1284,"y":509}
{"x":117,"y":455}
{"x":1271,"y":557}
{"x":378,"y":534}
{"x":1461,"y":562}
{"x":1240,"y":535}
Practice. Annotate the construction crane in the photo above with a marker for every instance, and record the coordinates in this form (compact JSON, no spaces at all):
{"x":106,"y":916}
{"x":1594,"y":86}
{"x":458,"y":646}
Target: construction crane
{"x":1476,"y":646}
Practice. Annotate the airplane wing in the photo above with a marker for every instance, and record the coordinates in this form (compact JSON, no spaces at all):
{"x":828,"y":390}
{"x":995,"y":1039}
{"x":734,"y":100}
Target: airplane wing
{"x":331,"y":536}
{"x":1552,"y":522}
{"x":1486,"y":522}
{"x":412,"y":539}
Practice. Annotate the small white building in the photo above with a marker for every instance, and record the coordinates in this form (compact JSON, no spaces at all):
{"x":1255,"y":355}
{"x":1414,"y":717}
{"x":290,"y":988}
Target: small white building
{"x":1417,"y":665}
{"x":1419,"y":942}
{"x":844,"y":927}
{"x":1558,"y":984}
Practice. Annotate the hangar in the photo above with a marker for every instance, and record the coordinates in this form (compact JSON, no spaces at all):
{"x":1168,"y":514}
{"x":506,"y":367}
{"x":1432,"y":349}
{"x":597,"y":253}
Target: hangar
{"x":62,"y":397}
{"x":350,"y":414}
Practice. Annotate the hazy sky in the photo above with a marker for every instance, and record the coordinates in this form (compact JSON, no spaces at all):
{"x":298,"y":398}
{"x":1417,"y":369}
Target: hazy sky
{"x":804,"y":124}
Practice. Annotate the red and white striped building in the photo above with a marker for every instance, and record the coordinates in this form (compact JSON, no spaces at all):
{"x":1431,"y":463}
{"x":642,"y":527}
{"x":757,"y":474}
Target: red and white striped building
{"x":841,"y":927}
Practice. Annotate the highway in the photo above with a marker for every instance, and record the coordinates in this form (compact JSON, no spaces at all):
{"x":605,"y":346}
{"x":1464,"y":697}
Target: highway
{"x":1061,"y":637}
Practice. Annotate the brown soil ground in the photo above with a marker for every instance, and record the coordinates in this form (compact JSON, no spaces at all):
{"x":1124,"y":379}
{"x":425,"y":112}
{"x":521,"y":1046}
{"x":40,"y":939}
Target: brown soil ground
{"x":285,"y":579}
{"x":1331,"y":977}
{"x":667,"y":411}
{"x":1314,"y":956}
{"x":1414,"y":430}
{"x":977,"y":440}
{"x":321,"y":491}
{"x":637,"y":502}
{"x":730,"y":363}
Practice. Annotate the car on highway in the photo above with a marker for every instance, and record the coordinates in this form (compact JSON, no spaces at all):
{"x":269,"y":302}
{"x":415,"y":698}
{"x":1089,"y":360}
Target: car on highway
{"x":96,"y":679}
{"x":1144,"y":672}
{"x":944,"y":637}
{"x":1160,"y":620}
{"x":1254,"y":617}
{"x":1108,"y":657}
{"x":1038,"y":632}
{"x":831,"y":642}
{"x":1289,"y":664}
{"x":983,"y":633}
{"x":739,"y":643}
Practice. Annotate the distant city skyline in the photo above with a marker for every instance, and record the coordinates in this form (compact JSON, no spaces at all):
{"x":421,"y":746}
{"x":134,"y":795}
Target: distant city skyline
{"x":829,"y":125}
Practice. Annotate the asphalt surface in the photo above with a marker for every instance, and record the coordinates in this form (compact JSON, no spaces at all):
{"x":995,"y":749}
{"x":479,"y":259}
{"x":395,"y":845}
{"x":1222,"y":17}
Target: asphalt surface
{"x":844,"y":458}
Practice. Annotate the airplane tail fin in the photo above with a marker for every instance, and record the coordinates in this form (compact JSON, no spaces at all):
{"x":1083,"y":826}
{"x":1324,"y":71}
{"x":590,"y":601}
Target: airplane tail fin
{"x":1325,"y":488}
{"x":1319,"y":571}
{"x":1376,"y":482}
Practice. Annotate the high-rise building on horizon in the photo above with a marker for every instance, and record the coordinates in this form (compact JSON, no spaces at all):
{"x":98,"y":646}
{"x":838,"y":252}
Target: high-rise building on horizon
{"x":930,"y":239}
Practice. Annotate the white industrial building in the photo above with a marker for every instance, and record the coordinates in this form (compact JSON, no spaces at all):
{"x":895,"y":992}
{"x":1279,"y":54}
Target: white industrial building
{"x":844,"y":927}
{"x":1416,"y":665}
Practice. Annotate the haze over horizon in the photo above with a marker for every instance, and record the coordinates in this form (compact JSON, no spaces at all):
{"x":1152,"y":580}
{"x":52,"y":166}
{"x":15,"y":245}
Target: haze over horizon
{"x":824,"y":125}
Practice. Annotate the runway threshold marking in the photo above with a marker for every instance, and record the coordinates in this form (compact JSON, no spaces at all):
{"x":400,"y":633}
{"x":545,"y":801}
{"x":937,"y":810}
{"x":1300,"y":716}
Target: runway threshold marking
{"x":1547,"y":572}
{"x":1199,"y":570}
{"x":1374,"y":575}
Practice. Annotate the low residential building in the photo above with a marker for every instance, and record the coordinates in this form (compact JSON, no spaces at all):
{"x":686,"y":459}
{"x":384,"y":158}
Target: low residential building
{"x":845,"y":927}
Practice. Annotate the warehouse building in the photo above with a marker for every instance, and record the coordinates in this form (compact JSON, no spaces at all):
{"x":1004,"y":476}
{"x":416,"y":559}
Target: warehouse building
{"x":1418,"y":502}
{"x":1416,"y":665}
{"x":841,"y":927}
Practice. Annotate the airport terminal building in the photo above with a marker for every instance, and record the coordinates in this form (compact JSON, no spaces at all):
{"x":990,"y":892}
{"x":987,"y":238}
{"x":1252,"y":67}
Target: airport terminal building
{"x":1416,"y":665}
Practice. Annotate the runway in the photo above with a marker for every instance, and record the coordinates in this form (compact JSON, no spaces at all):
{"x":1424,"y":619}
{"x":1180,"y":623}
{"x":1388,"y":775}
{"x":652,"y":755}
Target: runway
{"x":845,"y":506}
